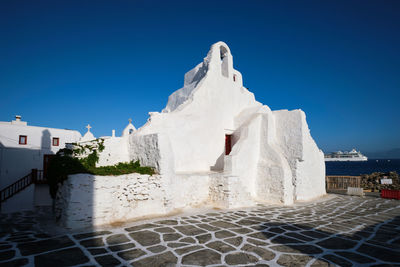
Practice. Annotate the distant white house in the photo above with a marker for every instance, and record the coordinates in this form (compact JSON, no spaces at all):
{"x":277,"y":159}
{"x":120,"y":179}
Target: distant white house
{"x":23,"y":148}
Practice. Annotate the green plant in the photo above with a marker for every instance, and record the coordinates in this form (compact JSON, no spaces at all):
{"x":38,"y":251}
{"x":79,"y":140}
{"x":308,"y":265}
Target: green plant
{"x":65,"y":163}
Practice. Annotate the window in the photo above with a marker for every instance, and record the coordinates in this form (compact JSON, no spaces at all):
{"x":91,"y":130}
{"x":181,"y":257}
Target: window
{"x":130,"y":131}
{"x":234,"y":77}
{"x":23,"y":139}
{"x":56,"y":141}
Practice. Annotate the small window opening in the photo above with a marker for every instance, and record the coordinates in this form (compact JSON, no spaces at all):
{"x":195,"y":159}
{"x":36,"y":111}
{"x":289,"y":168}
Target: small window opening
{"x":228,"y":144}
{"x":23,"y":139}
{"x":130,"y":131}
{"x":56,"y":141}
{"x":234,"y":77}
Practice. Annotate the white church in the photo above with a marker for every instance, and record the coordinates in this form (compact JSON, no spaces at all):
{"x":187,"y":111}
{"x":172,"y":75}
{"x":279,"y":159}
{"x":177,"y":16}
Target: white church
{"x":213,"y":144}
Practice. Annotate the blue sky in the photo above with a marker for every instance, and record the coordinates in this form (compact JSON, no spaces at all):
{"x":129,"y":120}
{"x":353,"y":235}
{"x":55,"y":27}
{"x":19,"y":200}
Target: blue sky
{"x":64,"y":64}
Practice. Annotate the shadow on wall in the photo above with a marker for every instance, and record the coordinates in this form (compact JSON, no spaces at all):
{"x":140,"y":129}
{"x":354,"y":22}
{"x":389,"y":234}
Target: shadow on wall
{"x":46,"y":140}
{"x":18,"y":161}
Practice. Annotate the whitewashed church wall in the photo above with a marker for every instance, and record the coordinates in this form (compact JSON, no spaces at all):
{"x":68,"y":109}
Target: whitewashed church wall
{"x":245,"y":153}
{"x":274,"y":177}
{"x":196,"y":120}
{"x":190,"y":190}
{"x":304,"y":157}
{"x":311,"y":169}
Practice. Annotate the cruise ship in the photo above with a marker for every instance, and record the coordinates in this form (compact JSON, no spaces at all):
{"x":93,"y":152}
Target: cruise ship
{"x":353,"y":155}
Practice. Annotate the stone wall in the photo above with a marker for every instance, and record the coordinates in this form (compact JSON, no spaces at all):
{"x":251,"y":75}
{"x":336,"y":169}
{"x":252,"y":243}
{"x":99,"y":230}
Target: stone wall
{"x":88,"y":200}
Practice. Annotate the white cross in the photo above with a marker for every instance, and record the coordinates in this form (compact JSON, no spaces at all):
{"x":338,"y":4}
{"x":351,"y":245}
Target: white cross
{"x":88,"y":127}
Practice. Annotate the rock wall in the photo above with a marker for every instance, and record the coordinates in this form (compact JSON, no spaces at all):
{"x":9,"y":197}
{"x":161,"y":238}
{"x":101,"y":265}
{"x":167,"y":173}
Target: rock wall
{"x":87,"y":200}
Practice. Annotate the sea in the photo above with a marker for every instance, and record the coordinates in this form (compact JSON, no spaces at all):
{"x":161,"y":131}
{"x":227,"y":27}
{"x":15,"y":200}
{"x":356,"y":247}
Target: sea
{"x":355,"y":168}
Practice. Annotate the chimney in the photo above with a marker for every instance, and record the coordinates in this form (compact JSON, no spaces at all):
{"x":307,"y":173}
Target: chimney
{"x":18,"y":121}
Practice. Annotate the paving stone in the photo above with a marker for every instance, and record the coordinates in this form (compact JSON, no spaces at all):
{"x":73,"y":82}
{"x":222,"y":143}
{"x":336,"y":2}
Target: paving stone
{"x":95,"y":242}
{"x":202,"y":257}
{"x":131,"y":254}
{"x":21,"y":240}
{"x":45,"y":245}
{"x":241,"y":230}
{"x":299,"y":236}
{"x":224,"y":234}
{"x":276,"y":230}
{"x":189,"y":230}
{"x":223,"y":224}
{"x":220,"y":246}
{"x":240,"y":258}
{"x":121,"y":247}
{"x":91,"y":234}
{"x":117,"y":239}
{"x":157,"y":249}
{"x":258,"y":235}
{"x":3,"y":247}
{"x":193,"y":221}
{"x":208,"y":227}
{"x":171,"y":237}
{"x":42,"y":235}
{"x":354,"y":257}
{"x":97,"y":251}
{"x":256,"y":242}
{"x":7,"y":255}
{"x":265,"y":254}
{"x":380,"y":253}
{"x":290,"y":228}
{"x":314,"y":234}
{"x":337,"y":260}
{"x":14,"y":263}
{"x":305,"y":249}
{"x":176,"y":245}
{"x":164,"y":230}
{"x":337,"y":243}
{"x":66,"y":257}
{"x":203,"y":238}
{"x":188,"y":240}
{"x":182,"y":251}
{"x":107,"y":260}
{"x":284,"y":240}
{"x":165,"y":259}
{"x":140,"y":227}
{"x":146,"y":238}
{"x":322,"y":263}
{"x":236,"y":241}
{"x":247,"y":222}
{"x":293,"y":260}
{"x":167,"y":222}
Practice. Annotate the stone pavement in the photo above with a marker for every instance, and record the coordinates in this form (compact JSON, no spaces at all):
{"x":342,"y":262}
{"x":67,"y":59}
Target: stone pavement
{"x":339,"y":231}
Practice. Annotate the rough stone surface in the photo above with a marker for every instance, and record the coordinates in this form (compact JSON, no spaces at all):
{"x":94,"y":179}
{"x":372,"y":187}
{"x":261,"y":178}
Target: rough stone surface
{"x":202,"y":257}
{"x":66,"y":257}
{"x":339,"y":231}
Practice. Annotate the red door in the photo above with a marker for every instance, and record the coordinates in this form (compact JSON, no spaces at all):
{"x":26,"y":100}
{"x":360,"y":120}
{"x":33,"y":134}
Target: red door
{"x":228,"y":144}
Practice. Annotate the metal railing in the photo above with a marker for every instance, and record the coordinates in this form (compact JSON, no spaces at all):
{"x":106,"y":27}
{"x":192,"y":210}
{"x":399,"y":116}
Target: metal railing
{"x":35,"y":177}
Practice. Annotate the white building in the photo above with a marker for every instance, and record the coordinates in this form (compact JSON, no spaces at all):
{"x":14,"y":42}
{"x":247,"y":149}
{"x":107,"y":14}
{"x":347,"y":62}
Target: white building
{"x":213,"y":144}
{"x":214,"y":124}
{"x":23,"y":148}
